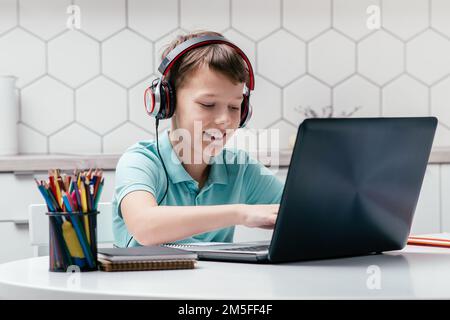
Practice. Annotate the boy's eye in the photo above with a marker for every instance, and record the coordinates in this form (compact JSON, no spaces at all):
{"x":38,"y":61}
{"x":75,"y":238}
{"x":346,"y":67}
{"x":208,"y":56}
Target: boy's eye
{"x":207,"y":105}
{"x":234,"y":107}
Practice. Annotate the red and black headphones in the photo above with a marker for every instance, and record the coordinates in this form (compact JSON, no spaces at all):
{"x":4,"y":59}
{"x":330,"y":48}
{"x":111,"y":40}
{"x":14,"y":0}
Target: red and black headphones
{"x":159,"y":98}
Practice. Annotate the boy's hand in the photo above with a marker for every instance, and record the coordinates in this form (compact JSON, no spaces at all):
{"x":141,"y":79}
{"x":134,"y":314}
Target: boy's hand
{"x":258,"y":215}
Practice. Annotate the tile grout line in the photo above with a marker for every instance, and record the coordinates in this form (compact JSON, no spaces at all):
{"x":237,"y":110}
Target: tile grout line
{"x":74,"y":104}
{"x":19,"y":102}
{"x":429,"y":101}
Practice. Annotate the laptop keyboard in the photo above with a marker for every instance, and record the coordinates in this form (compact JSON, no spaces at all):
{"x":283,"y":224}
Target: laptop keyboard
{"x":253,"y":248}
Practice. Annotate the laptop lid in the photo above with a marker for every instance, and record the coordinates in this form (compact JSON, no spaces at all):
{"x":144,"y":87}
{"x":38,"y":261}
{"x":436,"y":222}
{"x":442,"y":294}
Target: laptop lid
{"x":352,"y":187}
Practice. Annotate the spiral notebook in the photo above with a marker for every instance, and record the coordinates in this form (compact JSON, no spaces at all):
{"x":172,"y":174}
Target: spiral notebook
{"x":203,"y":249}
{"x":195,"y":245}
{"x":144,"y":253}
{"x":145,"y":258}
{"x":110,"y":266}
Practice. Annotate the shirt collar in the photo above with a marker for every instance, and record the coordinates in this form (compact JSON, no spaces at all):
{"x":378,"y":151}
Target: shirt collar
{"x":177,"y":173}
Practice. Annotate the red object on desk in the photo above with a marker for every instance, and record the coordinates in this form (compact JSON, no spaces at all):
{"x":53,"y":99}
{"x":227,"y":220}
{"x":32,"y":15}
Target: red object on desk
{"x":429,"y":241}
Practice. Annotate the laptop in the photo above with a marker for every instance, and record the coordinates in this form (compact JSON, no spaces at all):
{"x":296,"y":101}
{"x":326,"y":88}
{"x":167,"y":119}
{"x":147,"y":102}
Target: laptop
{"x":352,"y":188}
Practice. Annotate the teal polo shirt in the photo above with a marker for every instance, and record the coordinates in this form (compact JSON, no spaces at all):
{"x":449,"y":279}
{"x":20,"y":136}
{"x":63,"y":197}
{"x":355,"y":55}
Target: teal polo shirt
{"x":234,"y":177}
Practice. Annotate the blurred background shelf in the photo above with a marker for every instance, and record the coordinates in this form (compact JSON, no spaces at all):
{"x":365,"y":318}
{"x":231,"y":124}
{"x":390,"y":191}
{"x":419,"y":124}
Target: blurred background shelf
{"x":24,"y":164}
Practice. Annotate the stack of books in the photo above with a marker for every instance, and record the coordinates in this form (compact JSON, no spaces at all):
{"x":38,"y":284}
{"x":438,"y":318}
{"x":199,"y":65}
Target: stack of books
{"x":145,"y":258}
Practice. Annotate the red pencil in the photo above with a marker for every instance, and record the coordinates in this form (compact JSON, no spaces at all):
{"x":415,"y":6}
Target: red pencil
{"x":52,"y":185}
{"x":429,"y":241}
{"x":427,"y":238}
{"x":74,"y":201}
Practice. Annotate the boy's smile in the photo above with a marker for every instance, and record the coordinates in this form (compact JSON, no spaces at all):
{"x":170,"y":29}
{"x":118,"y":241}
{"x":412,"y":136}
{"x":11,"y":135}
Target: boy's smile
{"x":214,"y":134}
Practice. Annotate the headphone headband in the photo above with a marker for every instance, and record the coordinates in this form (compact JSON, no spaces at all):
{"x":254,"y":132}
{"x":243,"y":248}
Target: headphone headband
{"x":162,"y":95}
{"x":189,"y":44}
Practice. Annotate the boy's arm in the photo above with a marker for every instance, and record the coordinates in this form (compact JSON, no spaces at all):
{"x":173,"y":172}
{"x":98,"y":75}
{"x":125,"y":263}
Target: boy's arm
{"x":152,"y":224}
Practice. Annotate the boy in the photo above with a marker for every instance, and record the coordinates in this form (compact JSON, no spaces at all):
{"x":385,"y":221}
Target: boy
{"x":197,"y":200}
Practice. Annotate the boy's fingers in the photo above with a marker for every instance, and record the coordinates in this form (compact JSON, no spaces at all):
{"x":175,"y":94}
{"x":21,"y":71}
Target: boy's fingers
{"x":273,"y":218}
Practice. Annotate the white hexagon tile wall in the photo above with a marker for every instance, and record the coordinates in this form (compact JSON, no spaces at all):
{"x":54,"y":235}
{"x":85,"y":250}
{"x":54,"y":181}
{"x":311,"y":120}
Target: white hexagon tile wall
{"x":81,"y":89}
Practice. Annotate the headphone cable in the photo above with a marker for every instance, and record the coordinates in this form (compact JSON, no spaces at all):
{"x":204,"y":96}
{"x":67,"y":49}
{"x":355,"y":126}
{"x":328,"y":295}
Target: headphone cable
{"x":164,"y":166}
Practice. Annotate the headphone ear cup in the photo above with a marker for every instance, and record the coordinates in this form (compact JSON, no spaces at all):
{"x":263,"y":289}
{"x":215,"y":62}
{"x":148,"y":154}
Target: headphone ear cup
{"x":149,"y":101}
{"x":163,"y":102}
{"x":245,"y":111}
{"x":167,"y":101}
{"x":172,"y":100}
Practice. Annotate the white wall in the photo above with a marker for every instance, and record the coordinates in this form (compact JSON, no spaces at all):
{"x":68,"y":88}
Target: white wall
{"x":305,"y":54}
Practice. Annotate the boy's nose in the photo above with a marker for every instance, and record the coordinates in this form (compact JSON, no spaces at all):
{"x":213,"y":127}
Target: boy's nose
{"x":223,"y":118}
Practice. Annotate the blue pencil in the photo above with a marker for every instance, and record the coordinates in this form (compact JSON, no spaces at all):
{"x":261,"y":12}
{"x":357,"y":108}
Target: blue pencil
{"x":99,"y":192}
{"x":78,"y":199}
{"x":46,"y":198}
{"x":82,"y":239}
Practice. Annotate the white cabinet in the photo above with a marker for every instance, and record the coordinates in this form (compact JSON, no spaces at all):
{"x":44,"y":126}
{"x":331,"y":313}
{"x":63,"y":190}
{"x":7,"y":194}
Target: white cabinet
{"x":18,"y":191}
{"x":445,"y":197}
{"x":15,"y":243}
{"x":427,"y":217}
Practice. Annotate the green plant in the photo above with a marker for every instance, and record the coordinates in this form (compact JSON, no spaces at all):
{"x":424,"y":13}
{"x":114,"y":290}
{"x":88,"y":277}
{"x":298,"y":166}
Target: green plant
{"x":326,"y":112}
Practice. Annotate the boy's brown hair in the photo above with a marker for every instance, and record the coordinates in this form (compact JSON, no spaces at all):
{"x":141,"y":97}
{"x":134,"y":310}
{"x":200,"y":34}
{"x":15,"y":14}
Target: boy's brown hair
{"x":219,"y":57}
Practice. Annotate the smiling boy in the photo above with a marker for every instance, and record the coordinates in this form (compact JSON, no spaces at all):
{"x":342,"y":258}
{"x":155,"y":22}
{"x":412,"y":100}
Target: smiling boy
{"x":208,"y":189}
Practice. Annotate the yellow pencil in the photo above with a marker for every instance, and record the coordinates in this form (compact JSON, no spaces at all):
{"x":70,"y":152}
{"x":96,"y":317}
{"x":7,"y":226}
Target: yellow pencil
{"x":83,"y":197}
{"x":72,"y":241}
{"x":84,"y":208}
{"x":79,"y":179}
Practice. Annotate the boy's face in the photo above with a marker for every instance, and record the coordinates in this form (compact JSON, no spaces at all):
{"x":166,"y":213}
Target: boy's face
{"x":208,"y":106}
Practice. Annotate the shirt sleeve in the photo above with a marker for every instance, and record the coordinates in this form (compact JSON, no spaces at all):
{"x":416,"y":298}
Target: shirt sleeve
{"x":136,"y":171}
{"x":262,"y":186}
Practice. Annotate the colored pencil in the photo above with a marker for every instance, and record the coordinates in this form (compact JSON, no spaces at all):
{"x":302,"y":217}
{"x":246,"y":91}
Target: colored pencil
{"x":80,"y":234}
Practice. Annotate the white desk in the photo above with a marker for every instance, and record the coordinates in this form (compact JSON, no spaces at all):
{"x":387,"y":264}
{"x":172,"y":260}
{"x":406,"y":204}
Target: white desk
{"x":415,"y":272}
